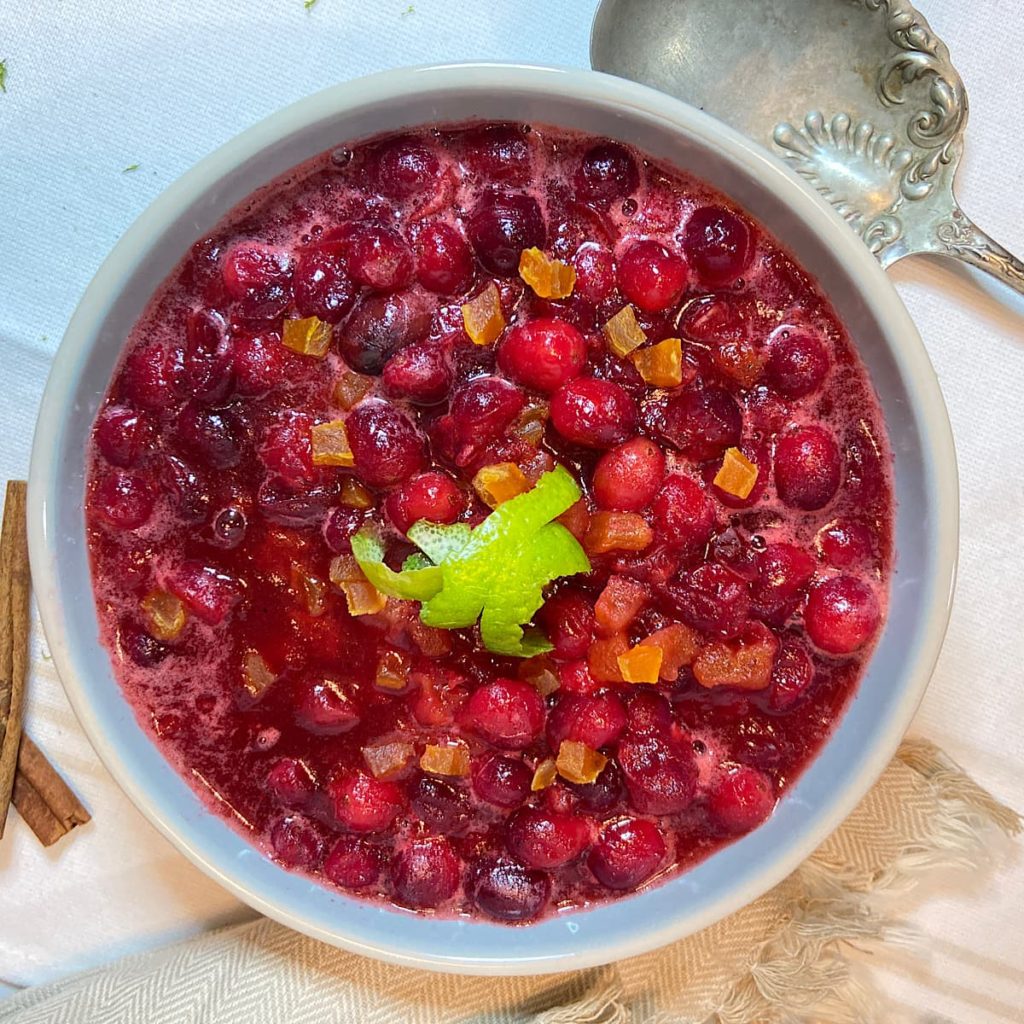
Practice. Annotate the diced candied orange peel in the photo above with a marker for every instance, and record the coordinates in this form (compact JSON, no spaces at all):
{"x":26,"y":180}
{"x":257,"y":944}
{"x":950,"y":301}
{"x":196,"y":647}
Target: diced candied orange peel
{"x":745,"y":662}
{"x":576,"y":762}
{"x":482,"y":316}
{"x":445,"y":759}
{"x":309,"y":336}
{"x":660,"y":365}
{"x":311,"y":589}
{"x":679,"y":645}
{"x":738,"y":474}
{"x":500,"y":482}
{"x":389,"y":760}
{"x":619,"y":604}
{"x":351,"y":389}
{"x":392,"y":671}
{"x":531,"y":423}
{"x":540,"y":673}
{"x":432,"y":641}
{"x":641,"y":664}
{"x":330,"y":444}
{"x":549,"y":278}
{"x":617,"y":531}
{"x":543,"y":775}
{"x":740,"y":360}
{"x":622,"y":333}
{"x":164,"y":614}
{"x":355,"y":495}
{"x":603,"y":657}
{"x":361,"y":596}
{"x":257,"y":675}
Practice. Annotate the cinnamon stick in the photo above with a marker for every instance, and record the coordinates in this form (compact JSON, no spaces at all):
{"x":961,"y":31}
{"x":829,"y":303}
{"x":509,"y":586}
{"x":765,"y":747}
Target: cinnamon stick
{"x":44,"y":800}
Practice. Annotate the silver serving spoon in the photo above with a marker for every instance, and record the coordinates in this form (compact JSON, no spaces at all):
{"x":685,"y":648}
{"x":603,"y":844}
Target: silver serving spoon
{"x":858,"y":96}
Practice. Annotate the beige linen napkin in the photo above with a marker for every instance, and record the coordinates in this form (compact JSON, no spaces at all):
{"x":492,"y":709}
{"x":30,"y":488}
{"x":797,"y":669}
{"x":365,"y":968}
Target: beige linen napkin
{"x":781,"y":960}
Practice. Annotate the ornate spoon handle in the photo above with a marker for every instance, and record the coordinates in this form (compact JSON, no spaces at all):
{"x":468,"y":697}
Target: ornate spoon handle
{"x":962,"y":239}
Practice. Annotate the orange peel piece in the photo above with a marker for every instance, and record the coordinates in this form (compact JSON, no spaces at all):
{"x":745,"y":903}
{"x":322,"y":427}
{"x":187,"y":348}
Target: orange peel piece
{"x":309,"y":336}
{"x":603,"y":658}
{"x":641,"y":664}
{"x":549,"y":278}
{"x":622,"y":333}
{"x":330,"y":444}
{"x":617,"y":531}
{"x":482,"y":316}
{"x":310,"y":588}
{"x":738,"y":474}
{"x":445,"y":759}
{"x":576,"y":762}
{"x":257,"y":675}
{"x":679,"y":645}
{"x":355,"y":495}
{"x":500,"y":482}
{"x":543,"y":775}
{"x":660,"y":365}
{"x":351,"y":389}
{"x":389,"y":760}
{"x":165,"y":615}
{"x":392,"y":671}
{"x":619,"y":604}
{"x":540,"y":673}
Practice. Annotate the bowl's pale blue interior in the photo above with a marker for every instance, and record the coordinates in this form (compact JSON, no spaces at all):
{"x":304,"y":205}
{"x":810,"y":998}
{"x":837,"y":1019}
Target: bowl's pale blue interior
{"x":924,"y":474}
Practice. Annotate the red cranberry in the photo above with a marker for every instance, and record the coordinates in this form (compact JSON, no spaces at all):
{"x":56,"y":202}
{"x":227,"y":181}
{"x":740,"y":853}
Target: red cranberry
{"x":842,"y":614}
{"x":506,"y":713}
{"x":296,"y":843}
{"x":124,"y":500}
{"x":718,"y":244}
{"x":807,"y":468}
{"x":792,"y":674}
{"x":340,"y":525}
{"x":543,"y":354}
{"x":712,"y":320}
{"x":387,"y":446}
{"x":121,"y":434}
{"x":325,"y":708}
{"x":661,"y":777}
{"x":797,"y":365}
{"x":406,"y":169}
{"x":682,"y":513}
{"x":546,"y":839}
{"x":606,"y":365}
{"x":378,"y":327}
{"x":204,"y":263}
{"x":209,"y":355}
{"x":701,"y":422}
{"x":568,"y":619}
{"x":151,"y":377}
{"x":440,"y":806}
{"x":596,"y":721}
{"x":287,"y":451}
{"x":365,"y":804}
{"x":210,"y":434}
{"x":353,"y":863}
{"x":322,"y":285}
{"x":593,"y":412}
{"x":290,"y":782}
{"x":601,"y":795}
{"x":143,"y":649}
{"x":305,"y":509}
{"x":425,"y":872}
{"x":444,"y":262}
{"x":419,"y":373}
{"x":784,"y":572}
{"x":627,"y":852}
{"x":501,"y":225}
{"x":258,"y":277}
{"x":210,"y":595}
{"x":628,"y":477}
{"x":650,"y":276}
{"x":499,"y":153}
{"x":480,"y":410}
{"x":595,"y":272}
{"x":845,"y":543}
{"x":262,"y":363}
{"x":575,"y":677}
{"x":507,"y":891}
{"x":712,"y":599}
{"x":433,"y":496}
{"x":379,"y":258}
{"x":740,"y":798}
{"x":648,"y":714}
{"x":502,"y":781}
{"x":607,"y":172}
{"x":186,"y":488}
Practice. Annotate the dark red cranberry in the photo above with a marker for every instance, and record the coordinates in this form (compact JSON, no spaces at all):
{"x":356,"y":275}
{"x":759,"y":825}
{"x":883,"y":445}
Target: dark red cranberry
{"x":378,"y":327}
{"x":480,"y":410}
{"x":593,"y":412}
{"x":740,"y":798}
{"x":660,"y":775}
{"x":262,"y":363}
{"x":797,"y":364}
{"x":406,"y":168}
{"x":845,"y":543}
{"x":433,"y":496}
{"x":807,"y":467}
{"x":210,"y":434}
{"x":784,"y":572}
{"x":650,"y":276}
{"x":444,"y":263}
{"x":322,"y":285}
{"x":379,"y":258}
{"x":209,"y":595}
{"x":601,"y":795}
{"x":186,"y":488}
{"x":365,"y":804}
{"x":502,"y":781}
{"x":842,"y":614}
{"x":648,"y":714}
{"x":543,"y":354}
{"x":296,"y":842}
{"x":792,"y":674}
{"x":606,"y":365}
{"x":205,"y":266}
{"x":151,"y":377}
{"x":209,"y":355}
{"x":712,"y":320}
{"x":419,"y":373}
{"x":123,"y":499}
{"x":425,"y":872}
{"x":718,"y":244}
{"x":546,"y":839}
{"x":290,"y":782}
{"x":568,"y":619}
{"x":387,"y":446}
{"x":607,"y":172}
{"x":501,"y":225}
{"x":596,"y":721}
{"x":498,"y":153}
{"x":682,"y":513}
{"x":340,"y":525}
{"x":439,"y":805}
{"x":142,"y":649}
{"x":701,"y":422}
{"x":628,"y":477}
{"x":507,"y":891}
{"x":280,"y":503}
{"x":258,"y":277}
{"x":121,"y":434}
{"x":712,"y":599}
{"x":506,"y":713}
{"x":229,"y":526}
{"x":627,"y":852}
{"x":353,"y":863}
{"x":733,"y":549}
{"x":287,"y":451}
{"x":325,"y":707}
{"x":595,"y":272}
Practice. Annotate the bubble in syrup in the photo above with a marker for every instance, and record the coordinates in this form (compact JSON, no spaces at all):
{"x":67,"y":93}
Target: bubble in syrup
{"x":341,"y":156}
{"x":229,"y":527}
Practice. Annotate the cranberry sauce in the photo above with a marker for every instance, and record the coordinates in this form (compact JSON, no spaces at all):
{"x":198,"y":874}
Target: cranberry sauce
{"x":736,"y":510}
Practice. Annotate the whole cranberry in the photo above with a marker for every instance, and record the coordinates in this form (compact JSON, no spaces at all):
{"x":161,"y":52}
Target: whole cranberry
{"x":419,"y":373}
{"x":682,"y":513}
{"x":807,"y":467}
{"x":211,"y":434}
{"x":406,"y":168}
{"x":259,"y":278}
{"x":498,"y":152}
{"x":701,"y":422}
{"x":842,"y":614}
{"x":502,"y":781}
{"x":209,"y":355}
{"x":718,"y":244}
{"x":208,"y":593}
{"x":378,"y":327}
{"x":712,"y":599}
{"x":507,"y":891}
{"x":123,"y":500}
{"x":187,"y":489}
{"x":596,"y":721}
{"x":480,"y":410}
{"x":501,"y":225}
{"x":325,"y":707}
{"x":378,"y":257}
{"x":364,"y":804}
{"x":444,"y":262}
{"x":628,"y":477}
{"x":595,"y":272}
{"x":592,"y":412}
{"x":386,"y":445}
{"x":340,"y":525}
{"x":543,"y":354}
{"x":740,"y":798}
{"x":798,"y":364}
{"x":568,"y":619}
{"x":432,"y":495}
{"x":546,"y":839}
{"x":627,"y":852}
{"x":121,"y":435}
{"x":845,"y":543}
{"x":296,"y":842}
{"x":439,"y":805}
{"x":262,"y":363}
{"x":287,"y":451}
{"x":306,"y":508}
{"x":425,"y":872}
{"x":648,"y":714}
{"x":322,"y":285}
{"x":650,"y":276}
{"x":784,"y":570}
{"x":506,"y":713}
{"x":792,"y":675}
{"x":660,"y":775}
{"x":353,"y":863}
{"x":603,"y":794}
{"x":151,"y":377}
{"x":290,"y":782}
{"x":607,"y":172}
{"x":139,"y":646}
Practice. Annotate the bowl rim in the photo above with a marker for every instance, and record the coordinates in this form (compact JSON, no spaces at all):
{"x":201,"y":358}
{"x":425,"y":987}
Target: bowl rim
{"x":938,"y":456}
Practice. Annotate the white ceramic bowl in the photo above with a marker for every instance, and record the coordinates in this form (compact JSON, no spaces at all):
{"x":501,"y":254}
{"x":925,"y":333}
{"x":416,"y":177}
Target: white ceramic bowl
{"x":926,"y":517}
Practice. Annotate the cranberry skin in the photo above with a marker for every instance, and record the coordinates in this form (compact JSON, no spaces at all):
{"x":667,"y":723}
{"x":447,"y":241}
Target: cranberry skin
{"x":627,"y":478}
{"x":419,"y":373}
{"x":498,"y":153}
{"x":546,"y":839}
{"x":842,"y":614}
{"x":783,"y":572}
{"x":121,"y":434}
{"x":444,"y":262}
{"x":209,"y":434}
{"x":290,"y":782}
{"x":406,"y":169}
{"x":740,"y":798}
{"x":502,"y":781}
{"x":568,"y":619}
{"x":506,"y":713}
{"x":596,"y":721}
{"x":718,"y":244}
{"x":151,"y":378}
{"x":258,"y":277}
{"x":440,"y":806}
{"x":296,"y":843}
{"x":792,"y":674}
{"x":712,"y":599}
{"x":304,"y":509}
{"x":607,"y":172}
{"x":386,"y":445}
{"x":682,"y":513}
{"x":287,"y":451}
{"x":262,"y":363}
{"x":592,"y":412}
{"x":123,"y":500}
{"x":501,"y":225}
{"x":651,"y":277}
{"x":627,"y":852}
{"x":322,"y":285}
{"x":507,"y":891}
{"x":210,"y":595}
{"x":648,"y":713}
{"x":353,"y":863}
{"x":595,"y":272}
{"x":843,"y":543}
{"x":378,"y":327}
{"x":379,"y":258}
{"x":543,"y":354}
{"x":324,"y":708}
{"x":797,"y":365}
{"x":433,"y":496}
{"x":140,"y":647}
{"x":659,"y":775}
{"x":364,"y":804}
{"x":186,"y":488}
{"x":340,"y":525}
{"x":425,"y":872}
{"x":480,"y":412}
{"x":807,"y":468}
{"x":701,"y":422}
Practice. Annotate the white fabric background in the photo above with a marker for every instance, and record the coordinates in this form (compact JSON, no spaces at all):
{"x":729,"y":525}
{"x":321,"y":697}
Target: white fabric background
{"x":95,"y":86}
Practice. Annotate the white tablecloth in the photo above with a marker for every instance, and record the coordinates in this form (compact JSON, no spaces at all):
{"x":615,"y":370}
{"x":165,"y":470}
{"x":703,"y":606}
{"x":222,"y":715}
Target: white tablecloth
{"x":95,"y":87}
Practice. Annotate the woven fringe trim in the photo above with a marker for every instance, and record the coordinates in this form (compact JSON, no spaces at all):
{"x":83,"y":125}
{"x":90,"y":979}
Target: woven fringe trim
{"x":802,"y":975}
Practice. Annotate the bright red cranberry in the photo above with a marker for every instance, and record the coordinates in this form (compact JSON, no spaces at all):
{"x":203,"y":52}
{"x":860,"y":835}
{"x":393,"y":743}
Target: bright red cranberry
{"x":845,"y":543}
{"x":287,"y":451}
{"x":595,"y":272}
{"x":568,"y":619}
{"x":661,"y":777}
{"x":440,"y":806}
{"x":592,"y":412}
{"x":340,"y":525}
{"x":425,"y":872}
{"x":419,"y":373}
{"x":712,"y":599}
{"x":480,"y":411}
{"x":433,"y":496}
{"x":502,"y":781}
{"x":501,"y":225}
{"x":353,"y":863}
{"x":718,"y":244}
{"x":209,"y":595}
{"x":322,"y":285}
{"x":151,"y":378}
{"x":365,"y":804}
{"x":121,"y":434}
{"x":842,"y":614}
{"x":807,"y":468}
{"x":124,"y":500}
{"x":290,"y":782}
{"x":543,"y":354}
{"x":258,"y":277}
{"x":797,"y":365}
{"x":325,"y":707}
{"x":740,"y":798}
{"x":378,"y":327}
{"x":546,"y":839}
{"x":701,"y":421}
{"x":143,"y":649}
{"x":596,"y":721}
{"x":628,"y":477}
{"x":444,"y":263}
{"x":387,"y":446}
{"x":406,"y":168}
{"x":498,"y":153}
{"x":784,"y":572}
{"x":575,"y":677}
{"x":607,"y":172}
{"x":296,"y":842}
{"x":682,"y":513}
{"x":507,"y":891}
{"x":792,"y":674}
{"x":379,"y":258}
{"x":210,"y":434}
{"x":648,"y":714}
{"x":262,"y":363}
{"x":506,"y":713}
{"x":650,"y":276}
{"x":627,"y":852}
